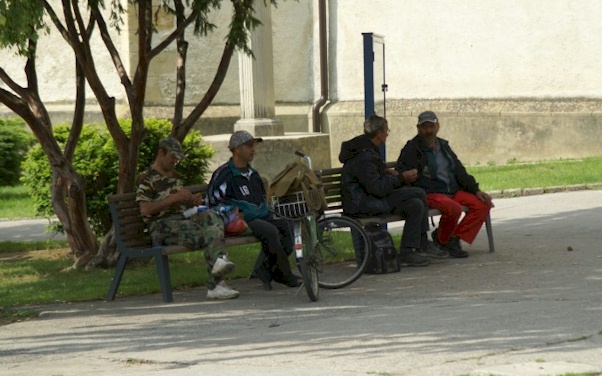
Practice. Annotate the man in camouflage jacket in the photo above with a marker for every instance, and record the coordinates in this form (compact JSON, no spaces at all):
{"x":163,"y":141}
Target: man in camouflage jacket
{"x":163,"y":199}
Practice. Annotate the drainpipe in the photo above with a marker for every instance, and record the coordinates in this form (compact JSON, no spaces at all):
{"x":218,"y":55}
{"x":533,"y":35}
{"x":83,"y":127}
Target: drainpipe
{"x":315,"y":110}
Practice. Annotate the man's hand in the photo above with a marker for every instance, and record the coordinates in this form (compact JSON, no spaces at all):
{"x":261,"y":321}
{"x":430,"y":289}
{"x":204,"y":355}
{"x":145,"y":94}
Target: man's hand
{"x":184,"y":196}
{"x":486,"y":198}
{"x":391,"y":171}
{"x":410,"y":176}
{"x":197,"y":199}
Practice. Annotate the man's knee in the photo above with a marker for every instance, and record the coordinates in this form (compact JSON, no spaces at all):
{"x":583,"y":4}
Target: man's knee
{"x":264,"y":229}
{"x":415,"y":192}
{"x":414,"y":207}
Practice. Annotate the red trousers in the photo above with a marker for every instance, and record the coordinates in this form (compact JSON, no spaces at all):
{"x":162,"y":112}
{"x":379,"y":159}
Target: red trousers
{"x":451,"y":209}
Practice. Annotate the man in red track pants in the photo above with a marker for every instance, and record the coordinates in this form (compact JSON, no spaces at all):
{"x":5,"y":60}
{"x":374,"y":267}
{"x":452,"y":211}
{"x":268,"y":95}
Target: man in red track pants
{"x":447,"y":184}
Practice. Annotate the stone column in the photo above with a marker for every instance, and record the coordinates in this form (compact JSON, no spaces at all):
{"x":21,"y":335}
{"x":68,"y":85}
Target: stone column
{"x":256,"y":77}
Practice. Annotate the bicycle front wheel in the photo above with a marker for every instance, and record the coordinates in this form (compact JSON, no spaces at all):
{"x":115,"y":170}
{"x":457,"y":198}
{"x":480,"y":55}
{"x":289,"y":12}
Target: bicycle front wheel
{"x":344,"y":247}
{"x":308,"y":264}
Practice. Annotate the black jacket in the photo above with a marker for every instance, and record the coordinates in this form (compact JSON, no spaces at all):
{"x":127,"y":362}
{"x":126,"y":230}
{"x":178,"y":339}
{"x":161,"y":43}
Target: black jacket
{"x":365,"y":183}
{"x":415,"y":154}
{"x":230,"y":186}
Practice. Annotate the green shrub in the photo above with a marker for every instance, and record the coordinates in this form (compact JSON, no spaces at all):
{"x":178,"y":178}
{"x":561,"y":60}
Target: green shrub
{"x":95,"y":159}
{"x":15,"y":141}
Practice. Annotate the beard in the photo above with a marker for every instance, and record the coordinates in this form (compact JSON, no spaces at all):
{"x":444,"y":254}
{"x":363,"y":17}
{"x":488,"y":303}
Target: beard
{"x":430,"y":141}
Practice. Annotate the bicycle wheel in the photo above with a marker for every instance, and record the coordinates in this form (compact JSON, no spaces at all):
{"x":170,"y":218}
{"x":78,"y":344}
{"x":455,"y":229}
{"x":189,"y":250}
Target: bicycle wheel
{"x":344,"y":246}
{"x":308,"y":265}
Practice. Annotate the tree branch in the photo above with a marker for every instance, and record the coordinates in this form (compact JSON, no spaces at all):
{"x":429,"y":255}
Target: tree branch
{"x":106,"y":38}
{"x":180,"y":29}
{"x":200,"y":108}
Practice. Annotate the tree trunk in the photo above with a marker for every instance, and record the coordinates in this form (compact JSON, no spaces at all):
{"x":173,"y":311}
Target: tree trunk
{"x":69,"y":203}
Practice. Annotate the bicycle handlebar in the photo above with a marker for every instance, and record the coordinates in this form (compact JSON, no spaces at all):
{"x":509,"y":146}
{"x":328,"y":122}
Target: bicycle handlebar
{"x":306,"y":157}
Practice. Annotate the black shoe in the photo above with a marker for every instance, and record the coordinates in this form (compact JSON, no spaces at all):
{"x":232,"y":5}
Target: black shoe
{"x":434,"y":251}
{"x":454,"y":248}
{"x":409,"y":257}
{"x":290,"y":280}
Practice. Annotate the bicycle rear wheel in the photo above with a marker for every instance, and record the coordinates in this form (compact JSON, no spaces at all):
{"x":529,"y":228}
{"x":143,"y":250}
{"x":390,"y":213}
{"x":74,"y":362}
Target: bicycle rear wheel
{"x":344,"y":247}
{"x":308,"y":264}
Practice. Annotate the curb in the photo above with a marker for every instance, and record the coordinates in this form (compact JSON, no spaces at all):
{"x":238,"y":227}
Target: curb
{"x":520,"y":192}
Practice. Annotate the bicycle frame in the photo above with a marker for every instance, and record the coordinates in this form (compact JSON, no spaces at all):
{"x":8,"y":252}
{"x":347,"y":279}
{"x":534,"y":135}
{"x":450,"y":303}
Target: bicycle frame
{"x":310,"y":221}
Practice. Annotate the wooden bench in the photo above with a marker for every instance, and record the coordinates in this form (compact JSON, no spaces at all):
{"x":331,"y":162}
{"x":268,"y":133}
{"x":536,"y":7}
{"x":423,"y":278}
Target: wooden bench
{"x":331,"y":178}
{"x":134,"y":242}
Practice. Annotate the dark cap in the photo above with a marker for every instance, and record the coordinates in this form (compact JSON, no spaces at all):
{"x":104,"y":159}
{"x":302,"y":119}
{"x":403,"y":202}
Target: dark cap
{"x":427,"y":116}
{"x":241,"y":137}
{"x":172,"y":145}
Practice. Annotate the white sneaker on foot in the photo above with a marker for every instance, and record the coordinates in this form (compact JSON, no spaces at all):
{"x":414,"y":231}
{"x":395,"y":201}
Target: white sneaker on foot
{"x":222,"y":266}
{"x":222,"y":291}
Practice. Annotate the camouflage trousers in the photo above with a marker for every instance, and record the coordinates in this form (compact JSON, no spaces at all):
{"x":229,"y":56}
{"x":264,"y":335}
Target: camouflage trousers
{"x":204,"y":230}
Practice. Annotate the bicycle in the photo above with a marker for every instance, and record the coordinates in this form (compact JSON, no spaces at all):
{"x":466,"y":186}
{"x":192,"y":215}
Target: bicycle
{"x":331,"y":250}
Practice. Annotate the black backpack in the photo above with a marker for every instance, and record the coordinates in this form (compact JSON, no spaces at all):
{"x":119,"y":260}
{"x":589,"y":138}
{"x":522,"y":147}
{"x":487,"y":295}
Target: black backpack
{"x":384,"y":257}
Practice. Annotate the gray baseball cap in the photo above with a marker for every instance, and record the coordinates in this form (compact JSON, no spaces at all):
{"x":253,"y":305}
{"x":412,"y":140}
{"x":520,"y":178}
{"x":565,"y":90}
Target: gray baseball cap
{"x":427,"y":116}
{"x":172,"y":145}
{"x":241,"y":137}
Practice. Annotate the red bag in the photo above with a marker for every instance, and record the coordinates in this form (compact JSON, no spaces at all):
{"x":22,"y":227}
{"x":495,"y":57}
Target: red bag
{"x":236,"y":227}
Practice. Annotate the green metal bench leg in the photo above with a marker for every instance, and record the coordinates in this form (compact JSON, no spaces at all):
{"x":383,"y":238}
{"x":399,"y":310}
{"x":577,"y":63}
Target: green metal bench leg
{"x":489,"y":233}
{"x":162,"y":265}
{"x":117,"y":277}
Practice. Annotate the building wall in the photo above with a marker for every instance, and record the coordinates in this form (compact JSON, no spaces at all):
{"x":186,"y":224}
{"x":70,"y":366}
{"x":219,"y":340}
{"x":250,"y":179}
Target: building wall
{"x":497,"y":72}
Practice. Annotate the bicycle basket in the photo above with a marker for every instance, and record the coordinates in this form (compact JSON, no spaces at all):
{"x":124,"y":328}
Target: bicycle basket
{"x":290,"y":206}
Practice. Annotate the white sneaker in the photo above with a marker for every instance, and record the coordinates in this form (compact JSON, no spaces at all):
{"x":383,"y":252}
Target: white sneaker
{"x":222,"y":266}
{"x":222,"y":291}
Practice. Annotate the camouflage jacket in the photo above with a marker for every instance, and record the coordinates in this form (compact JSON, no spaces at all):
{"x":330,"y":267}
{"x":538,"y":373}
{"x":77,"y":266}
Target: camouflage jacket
{"x":152,"y":186}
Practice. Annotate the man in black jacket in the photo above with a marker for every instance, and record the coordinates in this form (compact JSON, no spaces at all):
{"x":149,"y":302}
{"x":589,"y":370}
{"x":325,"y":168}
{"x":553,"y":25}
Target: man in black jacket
{"x":370,"y":189}
{"x":236,"y":183}
{"x":447,"y":184}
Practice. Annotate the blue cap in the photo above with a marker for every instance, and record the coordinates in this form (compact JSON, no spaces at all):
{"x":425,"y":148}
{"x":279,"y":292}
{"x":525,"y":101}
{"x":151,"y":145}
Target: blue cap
{"x":427,"y":116}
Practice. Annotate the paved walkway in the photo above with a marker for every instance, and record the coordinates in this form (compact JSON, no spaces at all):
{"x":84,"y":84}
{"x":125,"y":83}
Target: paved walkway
{"x":27,"y":230}
{"x":533,"y":307}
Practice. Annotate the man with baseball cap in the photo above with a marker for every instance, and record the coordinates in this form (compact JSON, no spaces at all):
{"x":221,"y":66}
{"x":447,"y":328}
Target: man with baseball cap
{"x":447,"y":184}
{"x":236,"y":183}
{"x":163,"y":200}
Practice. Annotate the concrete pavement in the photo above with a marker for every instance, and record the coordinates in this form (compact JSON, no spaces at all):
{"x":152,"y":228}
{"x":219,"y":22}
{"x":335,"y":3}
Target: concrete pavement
{"x":533,"y":307}
{"x":28,"y":230}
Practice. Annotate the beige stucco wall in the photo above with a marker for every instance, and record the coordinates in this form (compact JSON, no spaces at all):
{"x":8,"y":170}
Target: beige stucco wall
{"x":485,"y":131}
{"x":513,"y":79}
{"x":435,"y":49}
{"x":471,"y":48}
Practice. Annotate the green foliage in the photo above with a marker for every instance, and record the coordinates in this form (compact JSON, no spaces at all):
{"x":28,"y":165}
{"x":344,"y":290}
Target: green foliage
{"x":21,"y":21}
{"x":96,"y":161}
{"x":15,"y":141}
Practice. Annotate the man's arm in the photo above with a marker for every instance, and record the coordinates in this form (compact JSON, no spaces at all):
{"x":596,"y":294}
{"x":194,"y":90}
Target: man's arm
{"x":408,"y":163}
{"x":218,"y":186}
{"x":466,"y":181}
{"x":369,"y":177}
{"x":183,"y":196}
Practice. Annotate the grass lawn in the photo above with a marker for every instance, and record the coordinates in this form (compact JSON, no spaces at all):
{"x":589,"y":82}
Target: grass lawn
{"x":37,"y":277}
{"x":15,"y":202}
{"x":538,"y":175}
